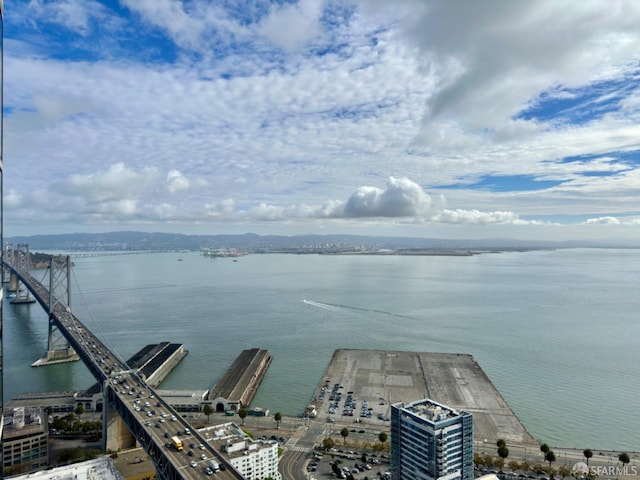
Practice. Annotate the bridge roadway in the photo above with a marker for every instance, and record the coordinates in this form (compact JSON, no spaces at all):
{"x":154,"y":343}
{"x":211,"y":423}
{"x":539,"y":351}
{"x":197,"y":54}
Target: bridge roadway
{"x":151,"y":420}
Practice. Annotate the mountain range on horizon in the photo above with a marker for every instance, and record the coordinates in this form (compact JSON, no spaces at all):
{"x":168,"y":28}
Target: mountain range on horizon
{"x":133,"y":240}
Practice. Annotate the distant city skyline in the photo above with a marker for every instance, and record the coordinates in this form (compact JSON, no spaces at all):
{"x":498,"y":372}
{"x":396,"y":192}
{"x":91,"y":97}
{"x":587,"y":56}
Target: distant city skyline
{"x":410,"y":118}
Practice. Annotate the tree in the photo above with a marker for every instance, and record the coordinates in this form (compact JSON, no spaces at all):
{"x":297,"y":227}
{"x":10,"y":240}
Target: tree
{"x":345,"y":433}
{"x":242,"y":413}
{"x":327,"y":443}
{"x":79,"y":410}
{"x":336,"y":469}
{"x":624,"y":459}
{"x":277,"y":417}
{"x":550,"y":457}
{"x":207,"y":410}
{"x":364,"y":457}
{"x":382,"y":436}
{"x":588,"y":453}
{"x":544,"y":448}
{"x":503,"y":453}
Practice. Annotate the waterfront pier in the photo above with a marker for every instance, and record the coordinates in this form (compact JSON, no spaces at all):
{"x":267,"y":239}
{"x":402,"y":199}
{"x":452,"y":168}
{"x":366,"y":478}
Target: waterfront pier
{"x":384,"y":377}
{"x":240,"y":382}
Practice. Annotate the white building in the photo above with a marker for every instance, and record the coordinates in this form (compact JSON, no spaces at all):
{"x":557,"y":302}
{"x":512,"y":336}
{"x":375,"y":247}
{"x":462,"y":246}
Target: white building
{"x":430,"y":441}
{"x":253,"y":459}
{"x":99,"y":468}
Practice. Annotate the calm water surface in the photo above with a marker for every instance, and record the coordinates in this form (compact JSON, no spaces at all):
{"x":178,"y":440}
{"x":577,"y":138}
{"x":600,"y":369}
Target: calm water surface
{"x":556,"y":331}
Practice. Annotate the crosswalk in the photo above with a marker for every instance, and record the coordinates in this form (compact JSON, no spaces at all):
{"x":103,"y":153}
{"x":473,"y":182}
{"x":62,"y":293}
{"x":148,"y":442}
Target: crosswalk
{"x":297,"y":448}
{"x":292,"y":445}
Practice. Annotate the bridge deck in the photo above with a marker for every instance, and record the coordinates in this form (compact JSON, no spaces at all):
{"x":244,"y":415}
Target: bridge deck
{"x":128,"y":394}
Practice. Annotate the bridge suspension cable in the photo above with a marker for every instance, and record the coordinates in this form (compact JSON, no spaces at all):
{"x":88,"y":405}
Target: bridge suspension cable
{"x":96,"y":324}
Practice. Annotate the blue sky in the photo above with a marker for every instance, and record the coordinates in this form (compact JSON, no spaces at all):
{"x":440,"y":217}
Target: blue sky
{"x":413,"y":117}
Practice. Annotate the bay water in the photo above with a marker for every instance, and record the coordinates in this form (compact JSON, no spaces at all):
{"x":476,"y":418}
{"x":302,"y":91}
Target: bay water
{"x":556,"y":331}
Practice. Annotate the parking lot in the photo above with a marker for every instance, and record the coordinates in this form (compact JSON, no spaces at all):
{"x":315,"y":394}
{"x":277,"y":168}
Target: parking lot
{"x":359,"y":465}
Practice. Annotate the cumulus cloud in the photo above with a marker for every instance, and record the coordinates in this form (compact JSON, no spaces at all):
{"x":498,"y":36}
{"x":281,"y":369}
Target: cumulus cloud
{"x":224,"y":208}
{"x":115,"y":184}
{"x":400,"y":198}
{"x":176,"y":182}
{"x":602,"y":221}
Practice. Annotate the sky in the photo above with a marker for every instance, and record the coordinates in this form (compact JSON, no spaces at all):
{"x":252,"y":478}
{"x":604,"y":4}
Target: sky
{"x":436,"y":119}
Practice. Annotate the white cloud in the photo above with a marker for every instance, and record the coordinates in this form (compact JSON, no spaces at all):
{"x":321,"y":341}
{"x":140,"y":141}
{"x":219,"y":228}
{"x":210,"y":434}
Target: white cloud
{"x":176,"y":182}
{"x":269,"y":131}
{"x":225,"y":209}
{"x":12,"y":199}
{"x":74,"y":15}
{"x":602,"y":221}
{"x":494,"y":58}
{"x":475,"y":217}
{"x":112,"y":185}
{"x":170,"y":15}
{"x":291,"y":25}
{"x":120,"y":208}
{"x":194,"y":26}
{"x":400,"y":198}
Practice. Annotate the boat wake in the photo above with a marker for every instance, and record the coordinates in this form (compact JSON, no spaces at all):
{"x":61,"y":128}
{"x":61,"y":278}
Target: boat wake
{"x":342,"y":308}
{"x":324,"y":306}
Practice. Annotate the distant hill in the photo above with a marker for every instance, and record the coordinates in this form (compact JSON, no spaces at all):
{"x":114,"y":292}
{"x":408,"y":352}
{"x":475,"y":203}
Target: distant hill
{"x":252,"y":243}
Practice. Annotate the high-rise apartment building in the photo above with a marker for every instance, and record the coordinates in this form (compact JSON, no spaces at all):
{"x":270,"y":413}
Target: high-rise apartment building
{"x":430,"y":441}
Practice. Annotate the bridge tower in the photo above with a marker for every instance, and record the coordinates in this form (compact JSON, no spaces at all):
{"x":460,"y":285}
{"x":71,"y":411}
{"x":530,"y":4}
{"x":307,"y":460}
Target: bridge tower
{"x":23,"y":262}
{"x":58,"y":349}
{"x":7,"y":254}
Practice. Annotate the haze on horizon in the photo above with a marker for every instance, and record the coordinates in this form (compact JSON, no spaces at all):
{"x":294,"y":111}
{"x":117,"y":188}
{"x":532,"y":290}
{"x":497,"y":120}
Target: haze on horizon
{"x":406,"y":118}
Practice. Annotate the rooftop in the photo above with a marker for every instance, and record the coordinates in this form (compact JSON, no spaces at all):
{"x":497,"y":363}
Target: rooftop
{"x":183,"y":396}
{"x":230,"y":439}
{"x":102,"y":468}
{"x":430,"y":410}
{"x":23,"y":421}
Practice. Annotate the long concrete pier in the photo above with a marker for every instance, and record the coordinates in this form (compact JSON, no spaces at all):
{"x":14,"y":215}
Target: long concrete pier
{"x":155,"y":362}
{"x":385,"y":377}
{"x":240,"y":382}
